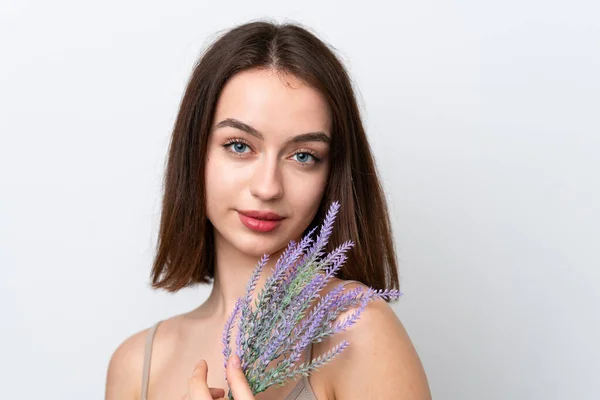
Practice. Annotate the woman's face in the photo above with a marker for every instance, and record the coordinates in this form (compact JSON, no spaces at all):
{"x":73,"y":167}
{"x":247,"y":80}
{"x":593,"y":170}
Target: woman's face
{"x":265,"y":169}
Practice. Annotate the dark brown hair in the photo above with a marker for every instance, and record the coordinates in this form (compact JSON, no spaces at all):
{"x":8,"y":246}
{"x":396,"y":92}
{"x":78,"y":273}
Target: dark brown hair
{"x":185,"y":254}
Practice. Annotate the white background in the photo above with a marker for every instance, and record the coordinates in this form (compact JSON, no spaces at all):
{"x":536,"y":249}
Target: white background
{"x":484,"y":120}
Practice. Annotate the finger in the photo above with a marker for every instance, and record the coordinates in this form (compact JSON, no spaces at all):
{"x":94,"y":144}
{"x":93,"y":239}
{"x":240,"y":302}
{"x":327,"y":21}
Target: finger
{"x":217,"y":393}
{"x":197,"y":387}
{"x":237,"y":380}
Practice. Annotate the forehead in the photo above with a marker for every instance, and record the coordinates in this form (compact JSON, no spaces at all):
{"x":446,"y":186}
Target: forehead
{"x":273,"y":103}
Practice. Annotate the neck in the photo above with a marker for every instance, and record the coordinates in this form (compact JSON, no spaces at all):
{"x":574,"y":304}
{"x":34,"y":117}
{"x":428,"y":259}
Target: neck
{"x":233,"y":270}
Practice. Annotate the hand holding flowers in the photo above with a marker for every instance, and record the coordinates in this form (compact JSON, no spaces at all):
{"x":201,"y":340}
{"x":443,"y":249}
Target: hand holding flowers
{"x":198,"y":388}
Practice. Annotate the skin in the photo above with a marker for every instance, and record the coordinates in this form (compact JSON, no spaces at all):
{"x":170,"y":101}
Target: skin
{"x":266,"y":174}
{"x":261,"y":174}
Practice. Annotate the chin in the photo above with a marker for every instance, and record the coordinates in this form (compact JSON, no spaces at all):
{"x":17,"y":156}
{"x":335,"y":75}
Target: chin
{"x":257,"y":247}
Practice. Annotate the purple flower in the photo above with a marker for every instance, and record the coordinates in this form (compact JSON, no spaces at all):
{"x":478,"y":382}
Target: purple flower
{"x":279,"y":325}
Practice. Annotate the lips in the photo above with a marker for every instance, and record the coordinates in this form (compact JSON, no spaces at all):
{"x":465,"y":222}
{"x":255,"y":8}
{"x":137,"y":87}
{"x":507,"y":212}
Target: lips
{"x":261,"y":215}
{"x":259,"y":225}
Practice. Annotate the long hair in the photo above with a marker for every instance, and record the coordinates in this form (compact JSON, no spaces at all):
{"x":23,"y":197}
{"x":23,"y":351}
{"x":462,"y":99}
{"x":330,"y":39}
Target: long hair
{"x":185,"y":248}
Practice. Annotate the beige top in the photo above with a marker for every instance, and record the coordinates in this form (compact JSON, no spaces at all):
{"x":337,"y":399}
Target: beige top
{"x":302,"y":390}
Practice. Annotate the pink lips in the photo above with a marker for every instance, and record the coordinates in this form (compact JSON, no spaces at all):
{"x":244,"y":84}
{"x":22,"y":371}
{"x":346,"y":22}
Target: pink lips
{"x":265,"y":215}
{"x":260,"y":225}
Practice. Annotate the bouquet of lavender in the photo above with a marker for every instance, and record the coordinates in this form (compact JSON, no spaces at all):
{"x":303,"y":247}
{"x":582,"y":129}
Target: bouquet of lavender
{"x":275,"y":327}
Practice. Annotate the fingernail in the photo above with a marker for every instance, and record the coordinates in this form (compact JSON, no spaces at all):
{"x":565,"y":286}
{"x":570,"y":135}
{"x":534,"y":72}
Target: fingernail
{"x":198,"y":365}
{"x":235,"y":361}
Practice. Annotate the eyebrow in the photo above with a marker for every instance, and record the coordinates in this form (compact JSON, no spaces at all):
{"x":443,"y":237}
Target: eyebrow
{"x":302,"y":138}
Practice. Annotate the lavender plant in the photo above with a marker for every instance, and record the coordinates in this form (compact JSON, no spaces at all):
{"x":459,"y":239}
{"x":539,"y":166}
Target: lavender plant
{"x":276,"y":326}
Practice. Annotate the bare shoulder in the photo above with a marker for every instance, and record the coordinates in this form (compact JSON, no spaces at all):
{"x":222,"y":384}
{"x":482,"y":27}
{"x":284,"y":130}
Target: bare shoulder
{"x":380,"y":361}
{"x":124,"y":375}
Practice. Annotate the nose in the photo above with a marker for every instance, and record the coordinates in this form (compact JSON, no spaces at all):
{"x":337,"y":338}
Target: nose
{"x":266,"y":181}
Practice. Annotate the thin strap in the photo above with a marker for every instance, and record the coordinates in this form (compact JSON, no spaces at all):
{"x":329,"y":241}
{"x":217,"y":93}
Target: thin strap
{"x":350,"y":281}
{"x":147,"y":360}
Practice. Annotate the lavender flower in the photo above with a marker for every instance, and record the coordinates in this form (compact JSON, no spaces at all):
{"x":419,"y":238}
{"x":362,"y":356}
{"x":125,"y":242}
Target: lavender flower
{"x":279,"y":325}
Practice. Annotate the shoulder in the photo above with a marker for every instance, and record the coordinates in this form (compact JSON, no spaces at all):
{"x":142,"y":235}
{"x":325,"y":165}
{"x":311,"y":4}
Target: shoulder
{"x":380,"y":360}
{"x":124,"y":375}
{"x":125,"y":368}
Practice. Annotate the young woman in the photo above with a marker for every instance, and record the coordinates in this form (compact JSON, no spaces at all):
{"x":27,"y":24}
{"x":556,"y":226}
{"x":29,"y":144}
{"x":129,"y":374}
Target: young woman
{"x":268,"y":135}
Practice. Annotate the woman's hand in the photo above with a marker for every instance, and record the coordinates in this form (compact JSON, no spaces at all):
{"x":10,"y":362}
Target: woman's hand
{"x":198,"y":388}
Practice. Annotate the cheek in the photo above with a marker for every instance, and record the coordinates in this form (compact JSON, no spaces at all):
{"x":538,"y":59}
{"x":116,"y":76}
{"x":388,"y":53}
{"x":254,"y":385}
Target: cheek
{"x":218,"y":176}
{"x":216,"y":187}
{"x":306,"y":194}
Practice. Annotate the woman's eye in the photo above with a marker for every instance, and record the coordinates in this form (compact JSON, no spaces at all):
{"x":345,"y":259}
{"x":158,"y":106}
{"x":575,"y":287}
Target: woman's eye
{"x":238,"y":147}
{"x":304,"y":157}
